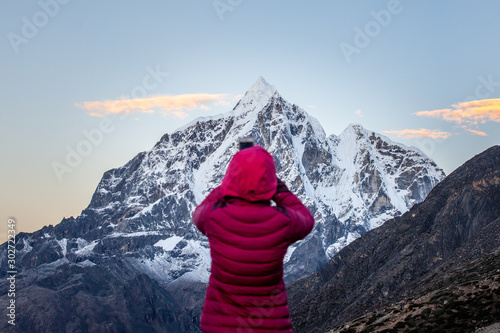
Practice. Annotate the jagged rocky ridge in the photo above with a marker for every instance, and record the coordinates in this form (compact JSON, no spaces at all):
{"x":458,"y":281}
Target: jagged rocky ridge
{"x":436,"y":268}
{"x":138,"y":224}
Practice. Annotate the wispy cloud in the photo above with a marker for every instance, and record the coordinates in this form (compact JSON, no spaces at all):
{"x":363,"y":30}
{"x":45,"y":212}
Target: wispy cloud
{"x":175,"y":105}
{"x":359,"y":113}
{"x":420,"y":133}
{"x":476,"y":132}
{"x":468,"y":114}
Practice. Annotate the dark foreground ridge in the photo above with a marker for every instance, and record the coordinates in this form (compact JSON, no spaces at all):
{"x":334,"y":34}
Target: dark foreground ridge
{"x":436,"y":268}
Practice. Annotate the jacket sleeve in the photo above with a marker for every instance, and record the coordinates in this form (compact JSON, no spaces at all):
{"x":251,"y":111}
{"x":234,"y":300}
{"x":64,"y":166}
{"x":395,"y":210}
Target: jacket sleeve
{"x":301,"y":218}
{"x":201,"y":212}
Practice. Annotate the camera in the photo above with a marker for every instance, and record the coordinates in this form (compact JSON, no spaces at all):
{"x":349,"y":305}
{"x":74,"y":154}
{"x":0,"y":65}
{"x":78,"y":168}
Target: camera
{"x":245,"y":142}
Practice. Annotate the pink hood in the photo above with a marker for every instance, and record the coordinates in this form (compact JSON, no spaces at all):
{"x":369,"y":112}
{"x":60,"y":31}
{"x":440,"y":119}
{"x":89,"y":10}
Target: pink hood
{"x":251,"y":175}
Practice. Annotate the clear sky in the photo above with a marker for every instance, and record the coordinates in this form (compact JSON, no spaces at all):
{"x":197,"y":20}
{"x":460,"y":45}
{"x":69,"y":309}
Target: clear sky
{"x":104,"y":80}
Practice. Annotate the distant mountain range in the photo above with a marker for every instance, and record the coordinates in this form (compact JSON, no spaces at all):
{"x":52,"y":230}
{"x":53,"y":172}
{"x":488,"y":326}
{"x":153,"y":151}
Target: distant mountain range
{"x":434,"y":269}
{"x":134,"y":261}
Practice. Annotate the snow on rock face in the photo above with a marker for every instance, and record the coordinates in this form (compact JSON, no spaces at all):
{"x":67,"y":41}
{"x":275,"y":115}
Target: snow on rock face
{"x":380,"y":175}
{"x":169,"y":243}
{"x":141,"y":212}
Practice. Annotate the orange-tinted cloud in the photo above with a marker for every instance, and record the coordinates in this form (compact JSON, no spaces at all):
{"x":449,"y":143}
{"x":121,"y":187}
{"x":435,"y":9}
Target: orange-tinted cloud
{"x":468,"y":114}
{"x":420,"y":133}
{"x":359,"y":113}
{"x":176,"y":105}
{"x":476,"y":132}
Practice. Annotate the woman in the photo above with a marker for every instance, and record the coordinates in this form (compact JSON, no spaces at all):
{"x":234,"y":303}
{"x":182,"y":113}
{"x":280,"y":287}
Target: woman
{"x":248,"y":241}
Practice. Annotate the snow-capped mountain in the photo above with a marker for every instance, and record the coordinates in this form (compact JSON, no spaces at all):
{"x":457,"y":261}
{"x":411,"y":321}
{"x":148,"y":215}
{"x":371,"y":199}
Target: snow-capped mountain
{"x":352,"y":182}
{"x":140,"y":213}
{"x":433,"y":269}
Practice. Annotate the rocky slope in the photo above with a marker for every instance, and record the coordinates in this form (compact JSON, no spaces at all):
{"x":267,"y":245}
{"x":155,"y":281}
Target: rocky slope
{"x":137,"y":231}
{"x":435,"y":267}
{"x":464,"y":298}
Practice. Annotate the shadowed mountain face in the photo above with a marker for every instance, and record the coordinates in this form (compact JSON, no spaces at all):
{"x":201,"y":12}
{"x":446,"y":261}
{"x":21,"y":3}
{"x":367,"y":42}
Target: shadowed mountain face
{"x":436,"y":245}
{"x":136,"y":234}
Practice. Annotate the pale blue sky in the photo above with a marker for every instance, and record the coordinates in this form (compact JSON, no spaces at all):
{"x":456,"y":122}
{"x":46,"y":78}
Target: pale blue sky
{"x":425,"y":56}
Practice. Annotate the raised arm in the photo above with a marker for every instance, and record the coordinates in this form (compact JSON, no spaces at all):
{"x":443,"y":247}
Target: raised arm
{"x":301,"y":218}
{"x":200,"y":213}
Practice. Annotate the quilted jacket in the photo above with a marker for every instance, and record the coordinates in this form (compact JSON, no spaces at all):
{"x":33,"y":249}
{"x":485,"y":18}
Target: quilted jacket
{"x":248,"y":239}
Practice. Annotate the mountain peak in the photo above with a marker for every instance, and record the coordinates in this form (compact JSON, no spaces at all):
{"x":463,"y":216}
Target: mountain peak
{"x":262,"y":87}
{"x":260,"y":84}
{"x":356,"y":127}
{"x":353,"y":130}
{"x":256,"y":97}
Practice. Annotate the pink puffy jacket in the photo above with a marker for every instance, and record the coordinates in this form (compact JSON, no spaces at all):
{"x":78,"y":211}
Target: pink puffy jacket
{"x":248,"y":241}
